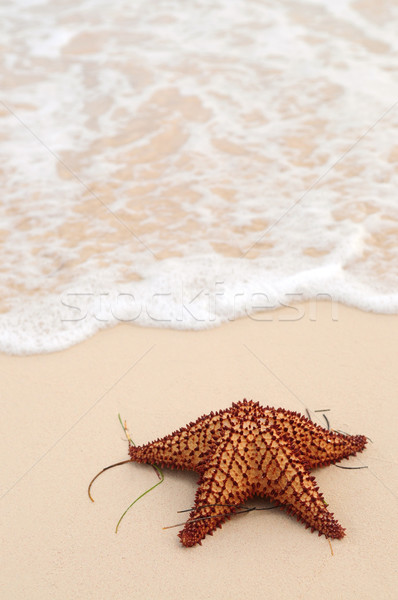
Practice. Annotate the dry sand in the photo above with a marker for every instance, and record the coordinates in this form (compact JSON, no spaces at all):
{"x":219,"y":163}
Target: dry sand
{"x":60,"y":426}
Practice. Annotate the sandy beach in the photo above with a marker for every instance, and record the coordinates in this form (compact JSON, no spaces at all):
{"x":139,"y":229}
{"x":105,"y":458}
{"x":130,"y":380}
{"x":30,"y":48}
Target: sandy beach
{"x":60,"y":426}
{"x":185,"y":165}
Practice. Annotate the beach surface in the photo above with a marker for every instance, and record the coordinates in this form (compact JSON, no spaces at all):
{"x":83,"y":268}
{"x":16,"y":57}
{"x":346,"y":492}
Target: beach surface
{"x":60,"y":426}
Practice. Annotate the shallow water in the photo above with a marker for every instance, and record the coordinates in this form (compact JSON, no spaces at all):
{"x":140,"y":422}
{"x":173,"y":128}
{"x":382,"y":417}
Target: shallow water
{"x":183,"y":164}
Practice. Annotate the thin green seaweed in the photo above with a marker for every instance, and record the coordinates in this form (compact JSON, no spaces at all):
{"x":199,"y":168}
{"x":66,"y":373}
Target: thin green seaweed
{"x":157,"y":469}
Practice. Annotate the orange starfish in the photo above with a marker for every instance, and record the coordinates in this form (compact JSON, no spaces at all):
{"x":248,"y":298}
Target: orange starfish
{"x":247,"y":451}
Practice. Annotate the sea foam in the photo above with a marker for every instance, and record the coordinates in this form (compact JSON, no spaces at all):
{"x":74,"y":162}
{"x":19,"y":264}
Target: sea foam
{"x":182,"y":165}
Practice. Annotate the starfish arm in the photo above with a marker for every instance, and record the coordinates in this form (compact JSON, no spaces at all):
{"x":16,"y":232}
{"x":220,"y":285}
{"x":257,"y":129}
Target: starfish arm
{"x":316,"y":445}
{"x":284,"y":478}
{"x":223,"y":487}
{"x":186,"y":448}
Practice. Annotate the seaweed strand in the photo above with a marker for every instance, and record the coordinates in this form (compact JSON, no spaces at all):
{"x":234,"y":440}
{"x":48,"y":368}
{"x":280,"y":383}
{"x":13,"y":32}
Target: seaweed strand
{"x":157,"y":470}
{"x":123,"y":462}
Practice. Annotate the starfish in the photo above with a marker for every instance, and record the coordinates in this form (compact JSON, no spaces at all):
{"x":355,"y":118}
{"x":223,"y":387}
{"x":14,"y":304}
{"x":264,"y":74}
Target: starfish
{"x":248,"y":450}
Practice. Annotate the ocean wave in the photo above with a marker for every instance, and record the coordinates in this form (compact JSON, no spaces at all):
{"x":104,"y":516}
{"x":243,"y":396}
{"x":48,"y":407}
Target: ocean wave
{"x":181,"y":166}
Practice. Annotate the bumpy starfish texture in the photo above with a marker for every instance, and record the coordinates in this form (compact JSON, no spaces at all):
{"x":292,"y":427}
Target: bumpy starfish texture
{"x":248,"y":450}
